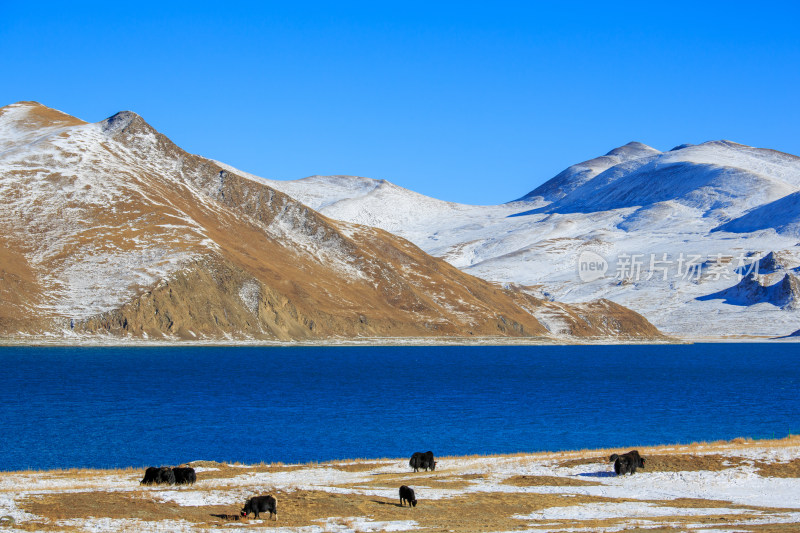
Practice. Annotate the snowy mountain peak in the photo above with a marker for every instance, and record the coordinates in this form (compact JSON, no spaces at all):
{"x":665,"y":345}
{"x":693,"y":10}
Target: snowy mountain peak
{"x":576,"y":175}
{"x":681,"y":147}
{"x":119,"y":122}
{"x":633,"y":150}
{"x":715,"y":180}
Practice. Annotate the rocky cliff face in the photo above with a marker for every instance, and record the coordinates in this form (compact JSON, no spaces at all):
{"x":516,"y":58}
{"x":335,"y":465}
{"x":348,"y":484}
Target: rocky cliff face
{"x":113,"y":229}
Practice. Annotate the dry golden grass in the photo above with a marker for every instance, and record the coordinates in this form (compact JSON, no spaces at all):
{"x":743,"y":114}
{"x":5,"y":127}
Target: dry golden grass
{"x":394,"y":480}
{"x":460,"y":511}
{"x":357,"y":466}
{"x":548,"y":481}
{"x":785,"y":470}
{"x":690,"y":463}
{"x":671,"y":462}
{"x":224,"y":471}
{"x":479,"y":512}
{"x":105,"y":505}
{"x":76,"y":473}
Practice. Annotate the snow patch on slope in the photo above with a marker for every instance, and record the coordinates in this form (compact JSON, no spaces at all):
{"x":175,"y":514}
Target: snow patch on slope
{"x":782,"y":216}
{"x":69,"y":194}
{"x":635,"y":202}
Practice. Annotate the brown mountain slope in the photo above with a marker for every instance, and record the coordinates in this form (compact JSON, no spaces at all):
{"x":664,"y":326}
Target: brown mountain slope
{"x":19,"y":290}
{"x":114,"y":229}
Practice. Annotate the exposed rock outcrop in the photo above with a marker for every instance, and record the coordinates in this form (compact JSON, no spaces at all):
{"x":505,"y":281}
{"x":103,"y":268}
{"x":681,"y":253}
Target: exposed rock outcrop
{"x":751,"y":289}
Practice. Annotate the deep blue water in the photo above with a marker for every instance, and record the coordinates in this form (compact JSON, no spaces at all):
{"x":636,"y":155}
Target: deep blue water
{"x":103,"y":407}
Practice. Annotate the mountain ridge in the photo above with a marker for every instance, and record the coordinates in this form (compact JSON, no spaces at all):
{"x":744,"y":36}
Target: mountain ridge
{"x":721,"y":201}
{"x":576,"y":175}
{"x":123,"y":233}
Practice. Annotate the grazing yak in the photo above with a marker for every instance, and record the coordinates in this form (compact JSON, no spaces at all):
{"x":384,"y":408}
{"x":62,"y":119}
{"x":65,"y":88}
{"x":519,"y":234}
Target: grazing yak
{"x":407,"y":495}
{"x":158,"y":475}
{"x":165,"y":475}
{"x":170,"y":476}
{"x":261,"y":504}
{"x":422,"y":460}
{"x":149,"y":476}
{"x":184,"y":475}
{"x":627,"y":463}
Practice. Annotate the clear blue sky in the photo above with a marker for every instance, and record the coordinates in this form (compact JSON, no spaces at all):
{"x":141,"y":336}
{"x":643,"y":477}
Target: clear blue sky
{"x":476,"y":102}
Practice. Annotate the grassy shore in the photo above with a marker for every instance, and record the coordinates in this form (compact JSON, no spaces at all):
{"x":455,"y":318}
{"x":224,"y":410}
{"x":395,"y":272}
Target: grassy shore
{"x":740,"y":485}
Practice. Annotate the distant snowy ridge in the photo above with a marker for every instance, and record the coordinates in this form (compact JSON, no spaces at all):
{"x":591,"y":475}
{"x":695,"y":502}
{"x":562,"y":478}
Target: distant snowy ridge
{"x":720,"y":203}
{"x":576,"y":175}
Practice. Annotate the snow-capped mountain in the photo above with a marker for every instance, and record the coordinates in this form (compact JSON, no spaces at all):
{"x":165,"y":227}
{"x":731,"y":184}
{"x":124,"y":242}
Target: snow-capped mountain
{"x":110,"y":228}
{"x":576,"y":175}
{"x":677,"y":233}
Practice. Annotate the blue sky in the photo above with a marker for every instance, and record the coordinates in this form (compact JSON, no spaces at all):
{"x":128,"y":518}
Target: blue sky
{"x":475,"y":102}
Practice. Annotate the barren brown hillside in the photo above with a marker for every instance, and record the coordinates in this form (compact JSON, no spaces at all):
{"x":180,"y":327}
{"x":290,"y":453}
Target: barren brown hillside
{"x":111,"y":228}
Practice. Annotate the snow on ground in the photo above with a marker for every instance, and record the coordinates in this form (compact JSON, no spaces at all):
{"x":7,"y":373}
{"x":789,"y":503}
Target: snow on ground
{"x":196,"y":498}
{"x":620,"y":510}
{"x":9,"y":508}
{"x":126,"y":525}
{"x":357,"y":523}
{"x":737,"y":493}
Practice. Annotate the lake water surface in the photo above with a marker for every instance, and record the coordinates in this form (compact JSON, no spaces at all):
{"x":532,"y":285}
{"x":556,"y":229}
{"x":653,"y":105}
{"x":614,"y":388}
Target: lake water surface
{"x":105,"y":407}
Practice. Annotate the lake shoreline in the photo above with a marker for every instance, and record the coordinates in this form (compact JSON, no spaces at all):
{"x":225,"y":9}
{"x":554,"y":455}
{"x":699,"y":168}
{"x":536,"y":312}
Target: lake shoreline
{"x":741,"y":484}
{"x":81,"y":341}
{"x":730,"y":444}
{"x":370,"y":342}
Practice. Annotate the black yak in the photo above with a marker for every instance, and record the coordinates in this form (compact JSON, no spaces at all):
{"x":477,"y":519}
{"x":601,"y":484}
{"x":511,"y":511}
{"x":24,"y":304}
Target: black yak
{"x":149,"y":476}
{"x":184,"y":475}
{"x":261,"y":504}
{"x":407,"y":495}
{"x":422,"y":460}
{"x":165,"y":475}
{"x":158,"y":475}
{"x":627,"y":463}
